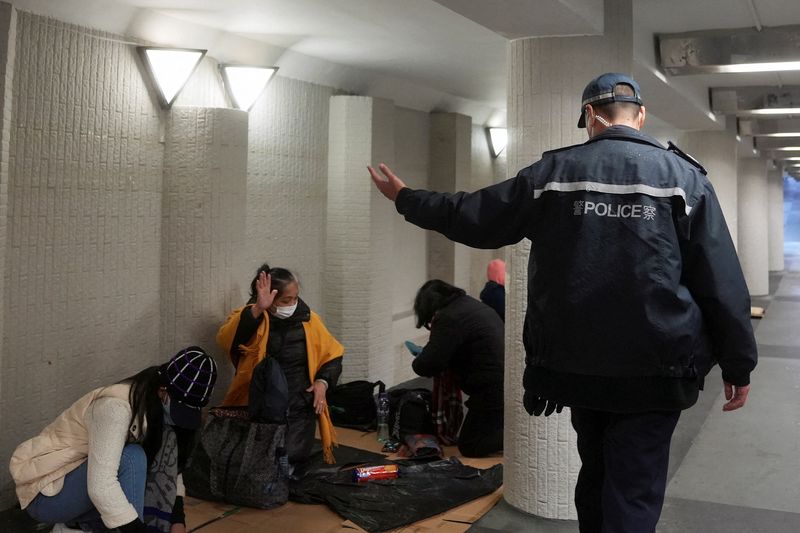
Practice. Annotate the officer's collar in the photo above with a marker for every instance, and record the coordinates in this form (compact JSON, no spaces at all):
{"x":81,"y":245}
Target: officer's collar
{"x":625,"y":133}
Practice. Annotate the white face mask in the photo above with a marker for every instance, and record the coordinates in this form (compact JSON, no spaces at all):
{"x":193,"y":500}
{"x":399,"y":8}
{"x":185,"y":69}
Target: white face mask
{"x":284,"y":311}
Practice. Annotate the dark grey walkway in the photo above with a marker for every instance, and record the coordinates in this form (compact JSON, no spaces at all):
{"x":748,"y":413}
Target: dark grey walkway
{"x":731,"y":472}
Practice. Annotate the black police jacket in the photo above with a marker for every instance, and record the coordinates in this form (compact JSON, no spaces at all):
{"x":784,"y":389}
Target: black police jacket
{"x":634,"y":286}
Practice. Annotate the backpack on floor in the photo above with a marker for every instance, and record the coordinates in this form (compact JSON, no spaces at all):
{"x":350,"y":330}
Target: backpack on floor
{"x":352,"y":405}
{"x":410,"y":413}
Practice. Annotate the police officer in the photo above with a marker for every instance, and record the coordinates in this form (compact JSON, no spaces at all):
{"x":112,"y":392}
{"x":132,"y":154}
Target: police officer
{"x":634,"y":291}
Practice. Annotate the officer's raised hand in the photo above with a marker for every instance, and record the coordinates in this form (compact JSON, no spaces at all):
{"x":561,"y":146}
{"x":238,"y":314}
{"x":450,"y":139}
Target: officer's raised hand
{"x":388,"y":184}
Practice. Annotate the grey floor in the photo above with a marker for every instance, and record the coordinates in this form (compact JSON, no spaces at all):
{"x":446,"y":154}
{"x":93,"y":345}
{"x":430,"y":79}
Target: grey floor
{"x":731,"y":472}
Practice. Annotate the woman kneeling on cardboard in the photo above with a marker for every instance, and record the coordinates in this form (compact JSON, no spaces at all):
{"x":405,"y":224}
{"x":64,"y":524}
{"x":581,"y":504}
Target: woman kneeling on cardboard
{"x":112,"y":459}
{"x":277,"y":323}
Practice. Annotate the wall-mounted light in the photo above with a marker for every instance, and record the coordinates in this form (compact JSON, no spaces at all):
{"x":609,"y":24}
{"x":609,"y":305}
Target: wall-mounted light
{"x":498,"y":138}
{"x":245,"y":84}
{"x":170,"y":69}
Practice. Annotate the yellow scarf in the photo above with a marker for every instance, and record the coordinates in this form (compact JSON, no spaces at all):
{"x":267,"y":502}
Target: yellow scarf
{"x":321,"y":347}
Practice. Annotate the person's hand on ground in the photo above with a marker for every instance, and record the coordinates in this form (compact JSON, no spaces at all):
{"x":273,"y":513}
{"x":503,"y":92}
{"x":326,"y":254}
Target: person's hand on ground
{"x":736,"y":396}
{"x":177,"y":528}
{"x":388,"y":184}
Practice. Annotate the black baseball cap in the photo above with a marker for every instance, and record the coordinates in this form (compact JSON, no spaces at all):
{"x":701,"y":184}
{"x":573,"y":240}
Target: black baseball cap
{"x":600,"y":91}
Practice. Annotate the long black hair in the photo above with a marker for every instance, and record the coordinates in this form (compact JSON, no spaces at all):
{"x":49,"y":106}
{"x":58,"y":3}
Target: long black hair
{"x":147,"y":409}
{"x":280,"y":279}
{"x":432,"y":296}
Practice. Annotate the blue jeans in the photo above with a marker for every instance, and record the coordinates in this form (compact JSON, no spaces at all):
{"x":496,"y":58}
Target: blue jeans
{"x":73,"y":505}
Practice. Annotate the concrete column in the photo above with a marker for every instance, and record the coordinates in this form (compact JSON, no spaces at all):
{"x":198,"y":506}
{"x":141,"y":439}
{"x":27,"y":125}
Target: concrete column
{"x":8,"y":41}
{"x":358,"y":262}
{"x":451,"y":168}
{"x":753,"y":227}
{"x":203,"y":225}
{"x":775,"y":213}
{"x":717,"y":152}
{"x":546,"y":79}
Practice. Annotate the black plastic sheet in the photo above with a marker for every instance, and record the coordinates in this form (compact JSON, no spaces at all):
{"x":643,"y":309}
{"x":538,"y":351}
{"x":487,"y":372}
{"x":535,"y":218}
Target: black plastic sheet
{"x":422,"y":490}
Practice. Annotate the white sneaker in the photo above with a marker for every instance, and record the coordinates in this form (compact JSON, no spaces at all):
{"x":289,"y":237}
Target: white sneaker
{"x":62,"y":528}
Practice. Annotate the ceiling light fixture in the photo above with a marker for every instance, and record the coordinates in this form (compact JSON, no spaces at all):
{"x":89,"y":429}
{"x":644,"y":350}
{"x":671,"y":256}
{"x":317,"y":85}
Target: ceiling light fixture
{"x":771,"y":111}
{"x":170,"y":69}
{"x":245,"y":83}
{"x":778,"y":134}
{"x":772,"y":66}
{"x":785,"y":149}
{"x":498,"y":138}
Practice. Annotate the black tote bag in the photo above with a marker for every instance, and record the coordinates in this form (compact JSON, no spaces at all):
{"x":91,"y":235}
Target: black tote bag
{"x":239,"y":462}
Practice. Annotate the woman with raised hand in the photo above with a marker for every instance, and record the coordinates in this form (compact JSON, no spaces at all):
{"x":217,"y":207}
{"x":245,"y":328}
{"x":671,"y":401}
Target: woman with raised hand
{"x":277,"y":323}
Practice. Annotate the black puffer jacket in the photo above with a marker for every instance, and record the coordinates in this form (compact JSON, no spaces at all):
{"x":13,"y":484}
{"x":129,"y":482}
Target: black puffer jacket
{"x":467,"y":336}
{"x":634,"y":284}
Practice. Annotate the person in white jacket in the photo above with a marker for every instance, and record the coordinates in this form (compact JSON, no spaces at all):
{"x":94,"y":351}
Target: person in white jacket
{"x":89,"y":467}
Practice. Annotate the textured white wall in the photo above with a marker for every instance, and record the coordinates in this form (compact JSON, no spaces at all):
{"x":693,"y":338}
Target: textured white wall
{"x":486,"y":170}
{"x":753,"y":227}
{"x":717,"y":152}
{"x":409,"y":243}
{"x":204,"y":87}
{"x":83,"y":252}
{"x":451,"y":170}
{"x":287,"y":171}
{"x":8,"y":42}
{"x":544,"y":101}
{"x":775,"y":215}
{"x":202,"y":236}
{"x":358,"y":268}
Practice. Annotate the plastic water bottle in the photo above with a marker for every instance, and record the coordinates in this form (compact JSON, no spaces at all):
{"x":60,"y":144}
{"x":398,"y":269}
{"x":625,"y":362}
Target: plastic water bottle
{"x":383,"y":417}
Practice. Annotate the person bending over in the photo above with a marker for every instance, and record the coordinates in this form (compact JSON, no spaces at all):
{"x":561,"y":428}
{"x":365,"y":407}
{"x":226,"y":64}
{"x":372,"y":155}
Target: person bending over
{"x":112,"y":459}
{"x":466,"y":339}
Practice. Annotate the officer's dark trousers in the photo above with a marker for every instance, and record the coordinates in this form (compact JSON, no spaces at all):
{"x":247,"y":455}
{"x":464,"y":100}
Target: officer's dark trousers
{"x":624,"y":473}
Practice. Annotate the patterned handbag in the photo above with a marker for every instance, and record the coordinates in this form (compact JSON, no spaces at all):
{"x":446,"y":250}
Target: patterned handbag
{"x":239,"y":462}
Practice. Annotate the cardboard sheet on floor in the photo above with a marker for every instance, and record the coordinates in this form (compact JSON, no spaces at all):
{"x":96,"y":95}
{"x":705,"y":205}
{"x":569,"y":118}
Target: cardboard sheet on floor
{"x":294,"y":517}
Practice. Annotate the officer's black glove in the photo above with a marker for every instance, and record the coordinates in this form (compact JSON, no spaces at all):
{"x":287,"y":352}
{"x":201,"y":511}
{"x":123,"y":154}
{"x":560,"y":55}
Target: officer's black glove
{"x":536,"y":405}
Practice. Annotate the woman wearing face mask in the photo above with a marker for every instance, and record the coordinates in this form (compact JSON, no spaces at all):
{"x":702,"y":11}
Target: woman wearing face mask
{"x":113,"y":458}
{"x":277,"y":323}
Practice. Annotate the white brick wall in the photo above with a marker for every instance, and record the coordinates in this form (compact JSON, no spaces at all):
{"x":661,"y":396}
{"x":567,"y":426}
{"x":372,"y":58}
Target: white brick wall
{"x":202,"y":237}
{"x":546,"y":79}
{"x":287,"y":173}
{"x":717,"y":152}
{"x":358,"y":294}
{"x":409,"y":243}
{"x":8,"y":30}
{"x":775,"y":214}
{"x":753,"y":224}
{"x":83,"y":244}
